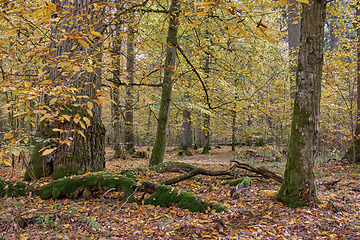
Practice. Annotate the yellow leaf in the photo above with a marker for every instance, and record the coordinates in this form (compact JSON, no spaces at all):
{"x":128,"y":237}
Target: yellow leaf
{"x":81,"y":133}
{"x":8,"y":162}
{"x":9,"y":135}
{"x":282,"y":2}
{"x":89,"y":112}
{"x":76,"y":68}
{"x":97,"y":34}
{"x":89,"y":69}
{"x":83,"y":43}
{"x":10,"y":33}
{"x":67,"y":117}
{"x":77,"y":118}
{"x":244,"y":33}
{"x":52,"y":101}
{"x":87,"y":121}
{"x":82,"y":124}
{"x":90,"y":105}
{"x":48,"y":151}
{"x":27,"y":84}
{"x":303,"y":1}
{"x":16,"y":152}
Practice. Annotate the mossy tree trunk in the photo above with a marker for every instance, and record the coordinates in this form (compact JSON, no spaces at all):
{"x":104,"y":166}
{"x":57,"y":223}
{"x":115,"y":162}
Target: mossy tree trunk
{"x":79,"y":140}
{"x":129,"y":119}
{"x":158,"y":151}
{"x":298,"y":187}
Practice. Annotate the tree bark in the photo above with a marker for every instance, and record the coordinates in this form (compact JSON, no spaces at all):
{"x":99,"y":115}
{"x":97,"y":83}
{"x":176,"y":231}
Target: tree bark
{"x":186,"y":137}
{"x":158,"y":151}
{"x":117,"y":144}
{"x":293,"y":22}
{"x":298,"y":187}
{"x":129,"y":119}
{"x":206,"y":147}
{"x":85,"y":148}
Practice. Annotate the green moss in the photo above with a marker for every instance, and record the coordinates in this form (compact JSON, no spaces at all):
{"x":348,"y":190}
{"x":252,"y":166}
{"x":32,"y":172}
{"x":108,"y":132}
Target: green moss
{"x":132,"y":173}
{"x":10,"y":189}
{"x":246,"y":181}
{"x":164,"y":167}
{"x":166,"y":196}
{"x":83,"y":185}
{"x":291,"y":191}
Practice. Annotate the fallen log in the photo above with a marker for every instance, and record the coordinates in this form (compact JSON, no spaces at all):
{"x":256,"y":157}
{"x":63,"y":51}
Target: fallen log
{"x":91,"y":184}
{"x":195,"y":172}
{"x":261,"y":171}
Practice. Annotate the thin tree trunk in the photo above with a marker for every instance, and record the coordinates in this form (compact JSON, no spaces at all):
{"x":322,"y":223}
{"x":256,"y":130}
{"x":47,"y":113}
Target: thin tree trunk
{"x":186,"y":127}
{"x":298,"y":187}
{"x":206,"y":147}
{"x":129,"y":119}
{"x":158,"y":151}
{"x":117,"y":145}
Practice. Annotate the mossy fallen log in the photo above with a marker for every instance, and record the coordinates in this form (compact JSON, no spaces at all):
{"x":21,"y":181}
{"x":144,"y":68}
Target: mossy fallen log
{"x":85,"y":185}
{"x":166,"y":196}
{"x":88,"y":184}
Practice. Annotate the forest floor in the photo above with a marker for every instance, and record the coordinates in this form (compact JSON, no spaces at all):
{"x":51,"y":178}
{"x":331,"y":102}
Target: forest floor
{"x":253,"y":215}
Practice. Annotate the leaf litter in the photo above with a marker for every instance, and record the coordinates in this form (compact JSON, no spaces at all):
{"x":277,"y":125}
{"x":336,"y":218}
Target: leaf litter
{"x":254,"y":214}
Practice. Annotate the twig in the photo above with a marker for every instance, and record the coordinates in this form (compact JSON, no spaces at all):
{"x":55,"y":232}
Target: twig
{"x":132,"y":194}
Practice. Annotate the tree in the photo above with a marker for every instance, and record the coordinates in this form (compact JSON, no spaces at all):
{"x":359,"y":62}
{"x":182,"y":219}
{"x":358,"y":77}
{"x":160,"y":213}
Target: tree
{"x":353,"y":152}
{"x":158,"y":151}
{"x":129,"y":119}
{"x":73,"y":141}
{"x":298,"y":187}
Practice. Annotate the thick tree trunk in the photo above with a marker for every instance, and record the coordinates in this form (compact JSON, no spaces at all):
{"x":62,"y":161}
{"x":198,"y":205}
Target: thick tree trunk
{"x":298,"y":187}
{"x":80,"y":143}
{"x":158,"y":151}
{"x":129,"y":119}
{"x":293,"y":22}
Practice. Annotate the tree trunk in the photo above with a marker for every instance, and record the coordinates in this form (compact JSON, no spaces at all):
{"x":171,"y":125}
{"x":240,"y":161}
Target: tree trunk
{"x":293,"y":22}
{"x":158,"y":151}
{"x":117,"y":145}
{"x":233,"y":129}
{"x":298,"y":187}
{"x":353,"y":153}
{"x":206,"y":147}
{"x":129,"y":120}
{"x":80,"y":145}
{"x":186,"y":126}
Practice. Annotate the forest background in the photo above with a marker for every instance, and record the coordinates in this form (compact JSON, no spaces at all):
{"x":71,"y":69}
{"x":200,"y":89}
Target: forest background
{"x":222,"y":75}
{"x":241,"y":84}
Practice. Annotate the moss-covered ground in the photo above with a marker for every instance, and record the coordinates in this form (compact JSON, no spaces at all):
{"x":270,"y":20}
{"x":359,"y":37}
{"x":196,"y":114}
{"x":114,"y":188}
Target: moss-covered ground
{"x":253,"y":215}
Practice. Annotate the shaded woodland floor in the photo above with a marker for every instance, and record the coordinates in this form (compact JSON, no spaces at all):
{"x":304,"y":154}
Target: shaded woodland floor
{"x":253,"y":215}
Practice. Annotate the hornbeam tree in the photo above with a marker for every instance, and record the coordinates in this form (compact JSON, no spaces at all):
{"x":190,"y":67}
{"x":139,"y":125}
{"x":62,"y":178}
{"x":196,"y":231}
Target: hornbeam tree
{"x":158,"y":151}
{"x":298,"y":188}
{"x":71,"y":138}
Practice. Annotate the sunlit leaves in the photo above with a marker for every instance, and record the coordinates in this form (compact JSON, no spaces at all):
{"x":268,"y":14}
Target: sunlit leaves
{"x":48,"y":151}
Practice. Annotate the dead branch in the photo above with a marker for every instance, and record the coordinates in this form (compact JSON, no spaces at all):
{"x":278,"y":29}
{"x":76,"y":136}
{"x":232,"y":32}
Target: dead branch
{"x":263,"y":172}
{"x":195,"y":172}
